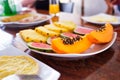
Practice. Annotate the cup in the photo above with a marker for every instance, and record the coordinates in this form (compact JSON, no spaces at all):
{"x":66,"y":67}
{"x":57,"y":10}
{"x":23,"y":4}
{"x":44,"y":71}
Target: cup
{"x":54,"y":9}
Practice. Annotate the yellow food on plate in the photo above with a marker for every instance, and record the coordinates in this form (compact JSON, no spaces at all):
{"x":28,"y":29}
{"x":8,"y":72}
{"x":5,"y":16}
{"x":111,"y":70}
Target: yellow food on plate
{"x":104,"y":19}
{"x":66,"y":24}
{"x":55,"y":28}
{"x":17,"y":65}
{"x":33,"y":18}
{"x":44,"y":31}
{"x":16,"y":17}
{"x":30,"y":35}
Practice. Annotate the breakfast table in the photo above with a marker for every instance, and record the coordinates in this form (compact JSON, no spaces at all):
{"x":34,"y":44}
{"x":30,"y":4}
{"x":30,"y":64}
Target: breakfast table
{"x":102,"y":66}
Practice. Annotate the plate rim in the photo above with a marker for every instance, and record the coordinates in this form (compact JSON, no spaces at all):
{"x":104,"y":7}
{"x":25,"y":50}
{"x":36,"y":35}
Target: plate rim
{"x":73,"y":55}
{"x":30,"y":23}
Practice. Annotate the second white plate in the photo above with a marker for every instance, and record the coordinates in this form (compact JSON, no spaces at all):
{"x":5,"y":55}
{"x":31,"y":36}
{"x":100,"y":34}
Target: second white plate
{"x":45,"y":73}
{"x":101,"y":15}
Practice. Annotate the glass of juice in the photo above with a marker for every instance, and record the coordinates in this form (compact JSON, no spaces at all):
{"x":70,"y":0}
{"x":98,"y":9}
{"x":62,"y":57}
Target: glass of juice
{"x":54,"y":9}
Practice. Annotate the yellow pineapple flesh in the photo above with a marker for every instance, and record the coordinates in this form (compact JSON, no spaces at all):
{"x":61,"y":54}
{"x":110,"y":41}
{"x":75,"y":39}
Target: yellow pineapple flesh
{"x":65,"y":24}
{"x":30,"y":35}
{"x":44,"y":31}
{"x":55,"y":29}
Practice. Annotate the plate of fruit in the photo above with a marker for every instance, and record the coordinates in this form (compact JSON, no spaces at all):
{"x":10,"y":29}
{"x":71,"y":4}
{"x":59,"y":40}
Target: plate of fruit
{"x":65,"y":39}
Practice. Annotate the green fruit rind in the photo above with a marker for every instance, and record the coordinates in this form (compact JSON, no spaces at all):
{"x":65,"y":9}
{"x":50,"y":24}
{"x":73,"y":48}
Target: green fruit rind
{"x":50,"y":39}
{"x":40,"y":48}
{"x":68,"y":35}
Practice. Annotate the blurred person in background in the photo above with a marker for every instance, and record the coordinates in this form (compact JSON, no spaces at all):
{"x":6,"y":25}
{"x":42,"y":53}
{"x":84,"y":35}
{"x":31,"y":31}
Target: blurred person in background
{"x":107,"y":5}
{"x":28,"y":5}
{"x":92,"y":7}
{"x":36,"y":4}
{"x":117,"y":7}
{"x":110,"y":5}
{"x":113,"y":7}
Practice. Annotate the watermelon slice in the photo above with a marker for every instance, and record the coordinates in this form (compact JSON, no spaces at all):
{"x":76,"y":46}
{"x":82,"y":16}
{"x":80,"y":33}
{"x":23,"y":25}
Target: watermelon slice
{"x":69,"y":35}
{"x":49,"y":40}
{"x":82,"y":30}
{"x":40,"y":46}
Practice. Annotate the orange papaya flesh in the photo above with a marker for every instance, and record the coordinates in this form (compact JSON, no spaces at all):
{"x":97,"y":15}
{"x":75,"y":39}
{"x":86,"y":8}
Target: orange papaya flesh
{"x":77,"y":47}
{"x":102,"y":35}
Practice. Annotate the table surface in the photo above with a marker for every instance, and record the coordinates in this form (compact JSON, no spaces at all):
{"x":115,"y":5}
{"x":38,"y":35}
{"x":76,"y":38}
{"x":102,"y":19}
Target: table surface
{"x":103,"y":66}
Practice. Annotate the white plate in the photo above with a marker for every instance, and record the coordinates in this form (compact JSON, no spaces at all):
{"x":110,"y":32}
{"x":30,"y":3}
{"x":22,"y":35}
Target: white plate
{"x":45,"y":73}
{"x":23,"y":25}
{"x":94,"y":49}
{"x":88,"y":19}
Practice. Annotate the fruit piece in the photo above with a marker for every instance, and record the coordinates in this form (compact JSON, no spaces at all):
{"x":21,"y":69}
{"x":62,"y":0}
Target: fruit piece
{"x":40,"y":46}
{"x":102,"y":35}
{"x":44,"y":31}
{"x":30,"y":35}
{"x":68,"y":34}
{"x":49,"y":40}
{"x":70,"y":46}
{"x":65,"y":24}
{"x":82,"y":30}
{"x":55,"y":29}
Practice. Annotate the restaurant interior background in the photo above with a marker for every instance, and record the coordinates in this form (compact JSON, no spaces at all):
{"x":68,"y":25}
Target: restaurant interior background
{"x":102,"y":66}
{"x":89,"y":8}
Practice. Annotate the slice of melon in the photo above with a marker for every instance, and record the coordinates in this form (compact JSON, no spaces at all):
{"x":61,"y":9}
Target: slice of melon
{"x":69,"y":35}
{"x":82,"y":30}
{"x":40,"y":46}
{"x":49,"y":40}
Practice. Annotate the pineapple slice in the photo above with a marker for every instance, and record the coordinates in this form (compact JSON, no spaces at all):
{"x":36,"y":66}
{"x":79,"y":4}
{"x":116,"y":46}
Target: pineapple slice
{"x":65,"y":24}
{"x":30,"y":35}
{"x":44,"y":31}
{"x":55,"y":29}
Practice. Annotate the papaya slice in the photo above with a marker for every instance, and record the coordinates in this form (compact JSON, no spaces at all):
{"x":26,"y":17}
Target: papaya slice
{"x":70,"y":46}
{"x":102,"y":35}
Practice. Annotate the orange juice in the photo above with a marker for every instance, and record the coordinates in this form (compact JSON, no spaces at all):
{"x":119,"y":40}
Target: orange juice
{"x":53,"y":8}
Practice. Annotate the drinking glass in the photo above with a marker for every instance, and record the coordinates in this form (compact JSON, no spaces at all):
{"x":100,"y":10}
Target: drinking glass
{"x":54,"y":9}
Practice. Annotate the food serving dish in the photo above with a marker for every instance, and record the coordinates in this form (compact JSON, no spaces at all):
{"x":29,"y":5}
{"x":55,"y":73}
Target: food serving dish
{"x":102,"y":18}
{"x":94,"y":49}
{"x":25,"y":24}
{"x":45,"y":72}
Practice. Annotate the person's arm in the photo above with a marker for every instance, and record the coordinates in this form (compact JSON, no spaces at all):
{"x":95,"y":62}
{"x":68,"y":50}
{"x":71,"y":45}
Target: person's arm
{"x":110,"y":8}
{"x":28,"y":3}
